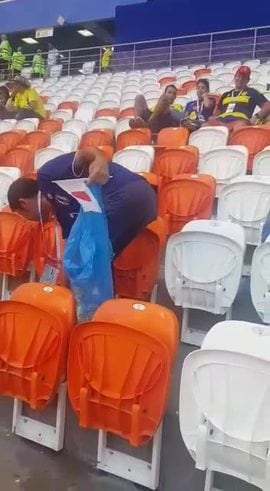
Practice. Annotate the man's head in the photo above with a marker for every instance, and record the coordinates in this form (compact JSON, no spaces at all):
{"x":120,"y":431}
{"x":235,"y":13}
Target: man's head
{"x":19,"y":84}
{"x":202,"y":87}
{"x":242,"y":77}
{"x":171,"y":93}
{"x":4,"y":95}
{"x":23,"y":199}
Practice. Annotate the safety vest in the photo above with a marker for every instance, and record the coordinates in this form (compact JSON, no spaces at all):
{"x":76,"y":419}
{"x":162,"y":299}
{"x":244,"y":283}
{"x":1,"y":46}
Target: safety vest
{"x":17,"y":61}
{"x":38,"y":65}
{"x":106,"y":58}
{"x":5,"y":50}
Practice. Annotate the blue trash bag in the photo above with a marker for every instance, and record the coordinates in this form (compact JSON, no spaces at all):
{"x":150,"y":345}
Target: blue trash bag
{"x":87,"y":260}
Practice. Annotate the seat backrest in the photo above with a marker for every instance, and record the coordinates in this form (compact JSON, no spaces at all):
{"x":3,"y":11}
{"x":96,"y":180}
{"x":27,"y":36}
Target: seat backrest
{"x":207,"y":138}
{"x":73,"y":105}
{"x":187,"y":197}
{"x":50,"y":125}
{"x":133,"y":137}
{"x":6,"y":126}
{"x":261,"y":163}
{"x":16,"y":239}
{"x":95,"y":138}
{"x":37,"y":139}
{"x":23,"y":124}
{"x":174,"y":161}
{"x":32,"y":350}
{"x":7,"y":176}
{"x":10,"y":139}
{"x":121,"y":126}
{"x":101,"y":124}
{"x":76,"y":126}
{"x":135,"y":160}
{"x":255,"y":138}
{"x":85,"y":111}
{"x":23,"y":158}
{"x":65,"y":140}
{"x":140,"y":380}
{"x":260,"y":280}
{"x":64,"y":114}
{"x":45,"y":154}
{"x":48,"y":247}
{"x":173,"y":137}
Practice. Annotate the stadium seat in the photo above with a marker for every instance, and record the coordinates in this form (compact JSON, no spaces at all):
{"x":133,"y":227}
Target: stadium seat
{"x":255,"y":138}
{"x":102,"y":124}
{"x":108,"y":151}
{"x":65,"y":140}
{"x":48,"y":249}
{"x":85,"y":111}
{"x":166,"y":80}
{"x":96,"y":138}
{"x":261,"y":163}
{"x":121,"y":126}
{"x":76,"y":126}
{"x":203,"y":268}
{"x":189,"y":84}
{"x":133,"y":137}
{"x":50,"y":125}
{"x":10,"y":139}
{"x":25,"y":125}
{"x":136,"y":275}
{"x":224,"y":164}
{"x":6,"y":126}
{"x":174,"y":161}
{"x":224,"y":404}
{"x":246,"y":201}
{"x":173,"y":137}
{"x":208,"y":138}
{"x":134,"y":159}
{"x":23,"y":158}
{"x":187,"y":197}
{"x":73,"y":105}
{"x":202,"y":72}
{"x":259,"y":281}
{"x":45,"y":154}
{"x":131,"y":404}
{"x":36,"y":140}
{"x":107,"y":112}
{"x":64,"y":114}
{"x":7,"y":176}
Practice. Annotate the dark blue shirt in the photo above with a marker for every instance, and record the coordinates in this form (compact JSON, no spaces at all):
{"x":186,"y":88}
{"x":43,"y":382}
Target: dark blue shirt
{"x":129,"y":201}
{"x":195,"y":109}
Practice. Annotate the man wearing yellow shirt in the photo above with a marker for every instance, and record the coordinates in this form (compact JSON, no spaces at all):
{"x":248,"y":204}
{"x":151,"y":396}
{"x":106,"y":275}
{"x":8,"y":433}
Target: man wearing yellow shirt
{"x":25,"y":101}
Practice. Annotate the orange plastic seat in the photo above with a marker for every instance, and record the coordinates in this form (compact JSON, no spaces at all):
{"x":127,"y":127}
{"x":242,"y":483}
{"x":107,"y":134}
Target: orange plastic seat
{"x":135,"y":274}
{"x":201,"y":72}
{"x":108,"y":151}
{"x":10,"y":139}
{"x":107,"y":112}
{"x":97,"y":138}
{"x":54,"y":299}
{"x":119,"y":368}
{"x":187,"y":197}
{"x":127,"y":138}
{"x":33,"y":345}
{"x":173,"y":137}
{"x":20,"y":157}
{"x":50,"y":126}
{"x":174,"y":161}
{"x":37,"y":139}
{"x":126,"y":113}
{"x":167,"y":80}
{"x":45,"y":248}
{"x":16,"y":239}
{"x":255,"y":138}
{"x":190,"y":84}
{"x":181,"y":91}
{"x":73,"y":105}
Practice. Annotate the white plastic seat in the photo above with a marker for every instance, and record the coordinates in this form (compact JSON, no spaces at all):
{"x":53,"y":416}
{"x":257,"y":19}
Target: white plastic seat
{"x":65,"y":140}
{"x":224,"y":164}
{"x":246,"y":201}
{"x":224,"y":403}
{"x":112,"y":104}
{"x":208,"y":138}
{"x":134,"y":159}
{"x":184,"y":78}
{"x":6,"y":126}
{"x":192,"y":94}
{"x":25,"y":125}
{"x":56,"y":100}
{"x":260,"y":281}
{"x":49,"y":106}
{"x":226,"y":77}
{"x":45,"y":155}
{"x":261,"y":163}
{"x":203,"y":267}
{"x":146,"y":148}
{"x":215,"y":83}
{"x":258,"y":86}
{"x":254,"y":76}
{"x":75,"y":97}
{"x":121,"y":125}
{"x":64,"y":114}
{"x":88,"y":67}
{"x":152,"y":94}
{"x":85,"y":111}
{"x":56,"y":70}
{"x":46,"y":93}
{"x":214,"y":65}
{"x":93,"y":99}
{"x":75,"y":126}
{"x":102,"y":124}
{"x":224,"y":88}
{"x":232,"y":65}
{"x":252,"y":63}
{"x":7,"y":176}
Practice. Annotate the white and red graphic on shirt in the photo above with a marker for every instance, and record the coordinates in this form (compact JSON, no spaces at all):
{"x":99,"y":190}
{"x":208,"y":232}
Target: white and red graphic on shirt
{"x":78,"y":189}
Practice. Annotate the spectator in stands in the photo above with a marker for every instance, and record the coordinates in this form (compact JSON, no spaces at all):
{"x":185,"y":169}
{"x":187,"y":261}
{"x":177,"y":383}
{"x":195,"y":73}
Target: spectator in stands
{"x":199,"y":111}
{"x":17,"y":61}
{"x":25,"y":101}
{"x":4,"y":96}
{"x":165,"y":114}
{"x":38,"y":65}
{"x":129,"y":201}
{"x":106,"y":59}
{"x":5,"y":55}
{"x":52,"y":59}
{"x":236,"y":107}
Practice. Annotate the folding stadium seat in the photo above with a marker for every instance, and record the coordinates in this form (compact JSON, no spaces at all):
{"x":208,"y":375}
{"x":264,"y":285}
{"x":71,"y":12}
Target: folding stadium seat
{"x":10,"y":139}
{"x":36,"y":140}
{"x":203,"y":268}
{"x":134,"y":159}
{"x":133,"y":137}
{"x":96,"y":138}
{"x":64,"y":114}
{"x":6,"y":126}
{"x":121,"y":126}
{"x":16,"y":237}
{"x":166,"y":80}
{"x":261,"y":163}
{"x":48,"y":249}
{"x":136,"y":275}
{"x":174,"y":161}
{"x":246,"y":201}
{"x":131,"y":404}
{"x":20,"y":157}
{"x":65,"y":140}
{"x":50,"y":126}
{"x":27,"y":124}
{"x":102,"y":124}
{"x":104,"y":112}
{"x":44,"y":155}
{"x":7,"y":176}
{"x":224,"y":404}
{"x":189,"y":84}
{"x":126,"y":110}
{"x":76,"y":126}
{"x":207,"y":138}
{"x":259,"y":281}
{"x":202,"y":72}
{"x":173,"y":137}
{"x":215,"y":83}
{"x":224,"y":164}
{"x":85,"y":111}
{"x":185,"y":198}
{"x":73,"y":105}
{"x":255,"y":138}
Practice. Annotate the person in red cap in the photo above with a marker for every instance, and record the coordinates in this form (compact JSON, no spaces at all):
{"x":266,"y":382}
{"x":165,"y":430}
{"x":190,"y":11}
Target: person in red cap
{"x":236,"y":107}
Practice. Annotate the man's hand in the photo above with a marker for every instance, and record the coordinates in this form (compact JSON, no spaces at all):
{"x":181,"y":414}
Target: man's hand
{"x":95,"y":161}
{"x":98,"y":171}
{"x":254,"y":120}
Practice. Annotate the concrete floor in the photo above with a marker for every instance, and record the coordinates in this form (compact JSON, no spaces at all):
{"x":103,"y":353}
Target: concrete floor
{"x":30,"y":467}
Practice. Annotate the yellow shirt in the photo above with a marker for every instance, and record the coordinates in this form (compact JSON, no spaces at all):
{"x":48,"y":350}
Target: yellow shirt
{"x":23,"y":98}
{"x":176,"y":107}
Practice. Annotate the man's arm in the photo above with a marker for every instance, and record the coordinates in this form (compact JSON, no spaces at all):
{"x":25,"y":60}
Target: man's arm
{"x":92,"y":159}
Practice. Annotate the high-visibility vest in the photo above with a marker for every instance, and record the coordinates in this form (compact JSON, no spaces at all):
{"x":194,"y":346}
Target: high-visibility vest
{"x":38,"y":65}
{"x":17,"y":61}
{"x":106,"y":57}
{"x":5,"y":50}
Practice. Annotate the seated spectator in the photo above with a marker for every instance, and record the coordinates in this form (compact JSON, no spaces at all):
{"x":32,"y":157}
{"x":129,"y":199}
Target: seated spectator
{"x":199,"y":111}
{"x":164,"y":115}
{"x":25,"y":101}
{"x":236,"y":107}
{"x":4,"y":96}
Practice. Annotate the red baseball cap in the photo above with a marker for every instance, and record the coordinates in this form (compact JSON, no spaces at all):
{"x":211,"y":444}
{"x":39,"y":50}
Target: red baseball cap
{"x":244,"y":71}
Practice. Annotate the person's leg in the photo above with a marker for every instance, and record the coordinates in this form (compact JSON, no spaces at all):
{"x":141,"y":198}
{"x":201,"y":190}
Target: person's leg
{"x":141,"y":113}
{"x":236,"y":125}
{"x":27,"y":113}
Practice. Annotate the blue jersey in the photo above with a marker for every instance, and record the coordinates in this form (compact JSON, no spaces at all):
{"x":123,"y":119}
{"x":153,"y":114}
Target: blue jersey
{"x":129,"y":201}
{"x":195,"y":110}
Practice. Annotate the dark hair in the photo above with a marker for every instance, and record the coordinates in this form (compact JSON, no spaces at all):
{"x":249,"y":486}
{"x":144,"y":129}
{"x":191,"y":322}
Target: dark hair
{"x":205,"y":82}
{"x":171,"y":86}
{"x":4,"y":91}
{"x":22,"y":188}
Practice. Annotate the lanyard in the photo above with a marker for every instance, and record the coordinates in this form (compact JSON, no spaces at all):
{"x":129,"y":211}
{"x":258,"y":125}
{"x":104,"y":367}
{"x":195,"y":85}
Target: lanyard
{"x":237,"y":95}
{"x":57,"y":237}
{"x":199,"y":109}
